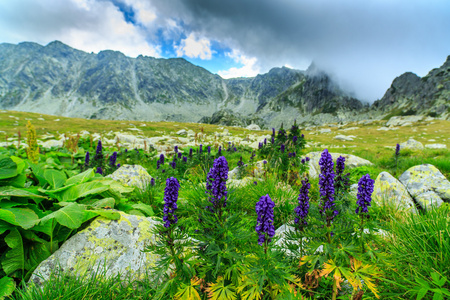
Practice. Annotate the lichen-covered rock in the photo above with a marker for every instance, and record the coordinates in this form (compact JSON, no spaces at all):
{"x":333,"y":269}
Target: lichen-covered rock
{"x":351,"y":161}
{"x":112,"y":244}
{"x":388,"y":189}
{"x":132,"y":175}
{"x":402,"y":120}
{"x":421,"y":179}
{"x":411,"y":144}
{"x":436,"y":146}
{"x":253,"y":127}
{"x":429,"y":199}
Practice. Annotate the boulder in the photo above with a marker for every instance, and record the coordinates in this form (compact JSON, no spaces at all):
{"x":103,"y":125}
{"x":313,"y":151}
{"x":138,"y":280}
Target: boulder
{"x":436,"y":146}
{"x":112,"y":244}
{"x":411,"y":144}
{"x":342,"y":137}
{"x":182,"y":132}
{"x":132,"y":175}
{"x":253,"y":127}
{"x":351,"y":161}
{"x":388,"y":189}
{"x":325,"y":130}
{"x":402,"y":120}
{"x":421,"y":179}
{"x":52,"y":143}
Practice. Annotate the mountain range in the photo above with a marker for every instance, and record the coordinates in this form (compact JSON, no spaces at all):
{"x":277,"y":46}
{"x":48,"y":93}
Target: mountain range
{"x":57,"y":79}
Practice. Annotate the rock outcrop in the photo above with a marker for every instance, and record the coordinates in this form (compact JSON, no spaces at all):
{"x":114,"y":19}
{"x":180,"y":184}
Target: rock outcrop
{"x":132,"y":175}
{"x":388,"y":190}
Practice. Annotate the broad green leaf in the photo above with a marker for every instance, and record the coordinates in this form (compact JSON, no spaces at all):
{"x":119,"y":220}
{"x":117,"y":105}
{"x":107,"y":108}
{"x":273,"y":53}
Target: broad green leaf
{"x":20,"y":163}
{"x":117,"y":187}
{"x":14,"y":259}
{"x":16,"y":192}
{"x":38,"y":171}
{"x":7,"y":286}
{"x":136,"y":212}
{"x":37,"y":253}
{"x":25,"y":217}
{"x":147,"y":209}
{"x":80,"y":178}
{"x":102,"y":203}
{"x":8,"y":216}
{"x":422,"y":282}
{"x":47,"y":226}
{"x":8,"y":168}
{"x":16,"y":181}
{"x":438,"y":296}
{"x":81,"y":190}
{"x":111,"y":215}
{"x":70,"y":216}
{"x":422,"y":292}
{"x":55,"y":178}
{"x":5,"y":226}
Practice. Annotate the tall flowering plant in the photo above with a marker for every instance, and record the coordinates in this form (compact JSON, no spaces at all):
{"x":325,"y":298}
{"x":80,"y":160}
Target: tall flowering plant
{"x":216,"y":188}
{"x":264,"y":223}
{"x":326,"y":183}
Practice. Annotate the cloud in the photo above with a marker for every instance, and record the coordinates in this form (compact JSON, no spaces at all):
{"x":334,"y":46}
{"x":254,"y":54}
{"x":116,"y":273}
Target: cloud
{"x":194,"y":47}
{"x":364,"y":43}
{"x":87,"y":25}
{"x":249,"y":68}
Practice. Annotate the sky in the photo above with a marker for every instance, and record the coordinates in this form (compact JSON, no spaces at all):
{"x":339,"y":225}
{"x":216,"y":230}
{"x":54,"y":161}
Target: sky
{"x":363,"y":45}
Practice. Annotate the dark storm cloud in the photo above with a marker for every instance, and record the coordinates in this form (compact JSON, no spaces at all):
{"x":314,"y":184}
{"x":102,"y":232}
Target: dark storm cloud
{"x":365,"y":44}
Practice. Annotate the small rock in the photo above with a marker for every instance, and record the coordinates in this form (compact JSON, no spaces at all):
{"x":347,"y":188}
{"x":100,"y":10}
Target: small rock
{"x":182,"y":132}
{"x":324,"y":130}
{"x":253,"y":127}
{"x":411,"y":144}
{"x":436,"y":146}
{"x":132,"y":175}
{"x":341,"y":137}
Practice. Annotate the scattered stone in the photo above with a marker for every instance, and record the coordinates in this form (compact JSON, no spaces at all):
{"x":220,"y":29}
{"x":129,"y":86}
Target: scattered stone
{"x":41,"y":119}
{"x":388,"y":189}
{"x":52,"y":143}
{"x":436,"y":146}
{"x":342,"y":137}
{"x":115,"y":245}
{"x":324,"y":130}
{"x":401,"y":120}
{"x":182,"y":132}
{"x":349,"y":129}
{"x":387,"y":128}
{"x":411,"y":144}
{"x":351,"y":161}
{"x":134,"y":129}
{"x":253,"y":127}
{"x":132,"y":175}
{"x":421,"y":179}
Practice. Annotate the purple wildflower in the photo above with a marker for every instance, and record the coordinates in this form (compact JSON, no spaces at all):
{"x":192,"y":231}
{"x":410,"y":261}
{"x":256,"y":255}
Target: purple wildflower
{"x":170,"y":201}
{"x":98,"y":153}
{"x":341,"y":183}
{"x":118,"y":165}
{"x":126,"y":150}
{"x":397,"y":150}
{"x":86,"y":159}
{"x":272,"y":140}
{"x":282,"y":148}
{"x":303,"y":161}
{"x":260,"y":145}
{"x":176,"y":149}
{"x":264,"y":161}
{"x":303,"y":204}
{"x":294,"y":139}
{"x":273,"y":132}
{"x":216,"y":183}
{"x":365,"y":190}
{"x":201,"y":149}
{"x":235,"y":149}
{"x":303,"y":135}
{"x":307,"y":158}
{"x":264,"y":223}
{"x":219,"y":153}
{"x":265,"y":141}
{"x":185,"y":159}
{"x":190,"y":152}
{"x":161,"y":159}
{"x":158,"y":163}
{"x":326,"y":183}
{"x":152,"y":181}
{"x":99,"y":171}
{"x":180,"y":154}
{"x":209,"y":150}
{"x":112,"y":159}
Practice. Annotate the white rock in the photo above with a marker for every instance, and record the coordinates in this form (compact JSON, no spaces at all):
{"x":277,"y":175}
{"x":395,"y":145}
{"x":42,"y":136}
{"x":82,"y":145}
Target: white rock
{"x":341,"y":137}
{"x":436,"y":146}
{"x":253,"y":127}
{"x":411,"y":144}
{"x":182,"y":132}
{"x":132,"y":175}
{"x":325,"y":130}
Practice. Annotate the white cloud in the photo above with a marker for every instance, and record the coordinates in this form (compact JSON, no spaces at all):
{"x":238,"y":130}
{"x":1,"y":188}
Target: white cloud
{"x":249,"y":68}
{"x":87,"y":25}
{"x":194,"y":47}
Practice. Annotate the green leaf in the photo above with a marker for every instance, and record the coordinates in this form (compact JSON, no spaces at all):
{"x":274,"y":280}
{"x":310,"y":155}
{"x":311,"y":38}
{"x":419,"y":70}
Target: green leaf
{"x":55,"y":178}
{"x":437,"y":296}
{"x":81,"y":178}
{"x":7,"y":286}
{"x":14,"y":259}
{"x":102,"y":203}
{"x":422,"y":292}
{"x":16,"y":181}
{"x":422,"y":282}
{"x":5,"y":226}
{"x":147,"y":209}
{"x":39,"y":173}
{"x":8,"y":168}
{"x":81,"y":190}
{"x":24,"y":217}
{"x":19,"y":162}
{"x":70,"y":216}
{"x":111,"y":215}
{"x":8,"y":216}
{"x":15,"y":192}
{"x":441,"y":281}
{"x":136,"y":212}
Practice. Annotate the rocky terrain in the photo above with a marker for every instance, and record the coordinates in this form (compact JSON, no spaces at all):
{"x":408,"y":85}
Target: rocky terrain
{"x":57,"y":79}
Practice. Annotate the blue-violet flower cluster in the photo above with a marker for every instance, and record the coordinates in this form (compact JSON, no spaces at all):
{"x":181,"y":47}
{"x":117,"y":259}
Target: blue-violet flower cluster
{"x":170,"y":201}
{"x":264,"y":223}
{"x":365,"y":190}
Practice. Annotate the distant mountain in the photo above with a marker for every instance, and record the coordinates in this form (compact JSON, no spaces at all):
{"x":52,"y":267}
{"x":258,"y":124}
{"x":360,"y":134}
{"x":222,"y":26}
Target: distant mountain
{"x":410,"y":95}
{"x":57,"y":79}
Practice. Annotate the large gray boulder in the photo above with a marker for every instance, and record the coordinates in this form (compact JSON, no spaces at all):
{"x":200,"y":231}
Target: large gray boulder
{"x":411,"y":144}
{"x":387,"y":189}
{"x":423,"y":179}
{"x":351,"y":161}
{"x":132,"y":175}
{"x":112,"y":244}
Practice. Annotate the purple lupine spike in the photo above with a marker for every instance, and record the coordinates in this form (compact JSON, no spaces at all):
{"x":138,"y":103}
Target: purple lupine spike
{"x":397,"y":150}
{"x":209,"y":150}
{"x":303,"y":135}
{"x":365,"y":190}
{"x":170,"y":201}
{"x":294,"y":139}
{"x":340,"y":165}
{"x":235,"y":149}
{"x":282,"y":148}
{"x":264,"y":223}
{"x":265,"y":141}
{"x":99,"y":171}
{"x":180,"y":154}
{"x":112,"y":159}
{"x":98,"y":152}
{"x":86,"y":159}
{"x":190,"y":152}
{"x":303,"y":161}
{"x":342,"y":181}
{"x":158,"y":163}
{"x":303,"y":204}
{"x":216,"y":183}
{"x":273,"y":132}
{"x":240,"y":163}
{"x":326,"y":183}
{"x":272,"y":140}
{"x":307,"y":158}
{"x":260,"y":145}
{"x":152,"y":181}
{"x":118,"y":165}
{"x":175,"y":149}
{"x":201,"y":149}
{"x":219,"y":153}
{"x":126,"y":150}
{"x":185,"y":159}
{"x":161,"y":159}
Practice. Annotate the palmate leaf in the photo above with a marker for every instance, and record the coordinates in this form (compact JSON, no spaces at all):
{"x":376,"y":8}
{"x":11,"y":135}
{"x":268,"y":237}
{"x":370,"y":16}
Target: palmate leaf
{"x":14,"y":258}
{"x":71,"y":216}
{"x":7,"y":286}
{"x":189,"y":292}
{"x":220,"y":291}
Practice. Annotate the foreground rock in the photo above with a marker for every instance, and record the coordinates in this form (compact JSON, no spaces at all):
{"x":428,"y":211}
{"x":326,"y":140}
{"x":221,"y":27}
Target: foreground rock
{"x":411,"y":144}
{"x":114,"y":244}
{"x":351,"y":161}
{"x":427,"y":185}
{"x":388,"y":189}
{"x":132,"y":175}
